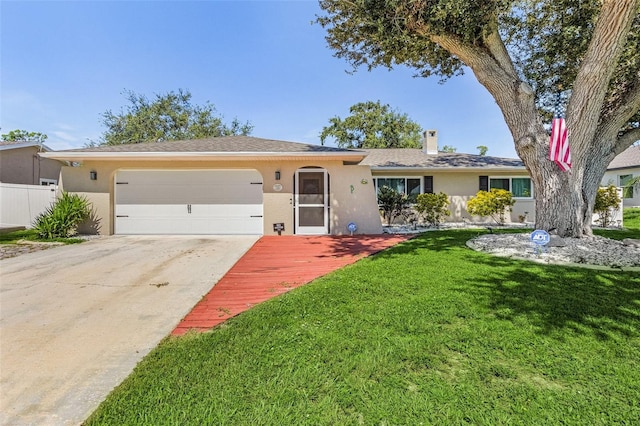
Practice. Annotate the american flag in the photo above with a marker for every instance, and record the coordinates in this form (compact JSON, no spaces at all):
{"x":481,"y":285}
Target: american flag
{"x":559,"y":144}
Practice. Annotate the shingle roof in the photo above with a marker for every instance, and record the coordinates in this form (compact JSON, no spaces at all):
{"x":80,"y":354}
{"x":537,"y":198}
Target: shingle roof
{"x":416,"y":158}
{"x":225,"y":144}
{"x":21,"y":144}
{"x":626,"y":159}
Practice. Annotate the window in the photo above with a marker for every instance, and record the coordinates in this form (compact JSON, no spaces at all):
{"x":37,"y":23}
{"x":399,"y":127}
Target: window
{"x":625,"y":183}
{"x":409,"y":186}
{"x":520,"y":187}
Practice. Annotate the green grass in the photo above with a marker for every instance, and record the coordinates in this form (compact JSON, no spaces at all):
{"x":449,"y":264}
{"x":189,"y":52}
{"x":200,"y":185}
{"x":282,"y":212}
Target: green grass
{"x":428,"y":332}
{"x":31,"y":235}
{"x":632,"y":217}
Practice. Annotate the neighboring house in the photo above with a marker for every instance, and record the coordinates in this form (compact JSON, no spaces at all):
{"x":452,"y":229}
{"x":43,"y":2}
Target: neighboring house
{"x":621,"y":171}
{"x":247,"y":185}
{"x":460,"y":176}
{"x":20,"y":163}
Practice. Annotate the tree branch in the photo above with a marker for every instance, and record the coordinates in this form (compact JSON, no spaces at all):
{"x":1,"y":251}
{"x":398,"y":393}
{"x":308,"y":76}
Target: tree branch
{"x":598,"y":65}
{"x":615,"y":118}
{"x":627,"y":139}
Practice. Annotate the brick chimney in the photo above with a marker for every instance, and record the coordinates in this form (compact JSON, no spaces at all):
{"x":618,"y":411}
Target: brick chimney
{"x":430,"y":142}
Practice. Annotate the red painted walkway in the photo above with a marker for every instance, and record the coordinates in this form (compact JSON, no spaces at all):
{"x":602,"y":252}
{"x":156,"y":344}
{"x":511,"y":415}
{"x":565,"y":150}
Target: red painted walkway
{"x":275,"y":265}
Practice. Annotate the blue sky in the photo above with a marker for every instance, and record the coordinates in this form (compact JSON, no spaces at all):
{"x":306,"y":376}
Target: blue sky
{"x":64,"y":63}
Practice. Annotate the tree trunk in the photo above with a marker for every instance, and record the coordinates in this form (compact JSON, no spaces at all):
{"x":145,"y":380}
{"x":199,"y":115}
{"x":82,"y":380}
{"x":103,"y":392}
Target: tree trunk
{"x":564,"y":200}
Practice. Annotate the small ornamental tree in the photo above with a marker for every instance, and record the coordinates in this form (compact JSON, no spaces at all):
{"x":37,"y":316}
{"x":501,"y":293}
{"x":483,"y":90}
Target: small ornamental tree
{"x":493,"y":203}
{"x":607,"y":200}
{"x":392,"y":203}
{"x":433,"y":207}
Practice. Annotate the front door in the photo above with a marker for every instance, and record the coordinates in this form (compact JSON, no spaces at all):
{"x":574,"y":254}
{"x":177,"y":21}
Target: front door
{"x":312,"y":202}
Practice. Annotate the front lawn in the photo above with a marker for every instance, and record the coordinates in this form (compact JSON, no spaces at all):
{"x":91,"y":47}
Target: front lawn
{"x":32,"y":235}
{"x":428,"y":332}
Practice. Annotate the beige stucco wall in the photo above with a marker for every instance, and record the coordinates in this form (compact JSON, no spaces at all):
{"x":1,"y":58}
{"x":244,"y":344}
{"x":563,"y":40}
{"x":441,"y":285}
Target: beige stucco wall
{"x":346,"y":205}
{"x":611,"y":177}
{"x":460,"y":186}
{"x":23,"y":166}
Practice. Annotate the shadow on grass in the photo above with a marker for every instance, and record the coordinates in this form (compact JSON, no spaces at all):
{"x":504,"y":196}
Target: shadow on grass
{"x":558,"y":298}
{"x":554,"y":298}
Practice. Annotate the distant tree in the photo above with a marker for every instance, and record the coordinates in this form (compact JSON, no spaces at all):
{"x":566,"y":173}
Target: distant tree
{"x":24,"y":135}
{"x":448,"y":148}
{"x":482,"y":149}
{"x":168,"y":117}
{"x":373,"y":125}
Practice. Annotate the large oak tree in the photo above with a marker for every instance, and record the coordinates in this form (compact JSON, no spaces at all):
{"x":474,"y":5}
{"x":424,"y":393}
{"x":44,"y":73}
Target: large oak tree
{"x":167,"y":117}
{"x":373,"y":125}
{"x":524,"y":52}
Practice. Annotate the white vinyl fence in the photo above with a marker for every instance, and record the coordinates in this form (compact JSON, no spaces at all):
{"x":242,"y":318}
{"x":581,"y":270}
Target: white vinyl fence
{"x":21,"y":204}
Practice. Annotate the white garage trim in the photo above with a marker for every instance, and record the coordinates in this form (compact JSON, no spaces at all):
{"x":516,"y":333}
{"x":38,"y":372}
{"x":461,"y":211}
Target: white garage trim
{"x":205,"y":202}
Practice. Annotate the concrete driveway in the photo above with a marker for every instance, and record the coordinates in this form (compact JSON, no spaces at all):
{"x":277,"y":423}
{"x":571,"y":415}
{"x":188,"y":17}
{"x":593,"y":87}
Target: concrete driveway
{"x":75,"y":320}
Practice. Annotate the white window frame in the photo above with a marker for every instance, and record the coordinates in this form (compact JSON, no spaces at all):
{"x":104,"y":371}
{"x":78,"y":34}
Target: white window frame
{"x":511,"y":185}
{"x":419,"y":178}
{"x":48,"y":182}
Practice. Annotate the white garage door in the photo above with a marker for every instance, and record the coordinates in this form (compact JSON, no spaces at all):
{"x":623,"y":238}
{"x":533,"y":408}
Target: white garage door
{"x":188,"y":202}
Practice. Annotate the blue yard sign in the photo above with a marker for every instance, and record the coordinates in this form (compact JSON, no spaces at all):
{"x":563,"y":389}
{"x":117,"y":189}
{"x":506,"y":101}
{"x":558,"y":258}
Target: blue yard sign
{"x":540,"y":237}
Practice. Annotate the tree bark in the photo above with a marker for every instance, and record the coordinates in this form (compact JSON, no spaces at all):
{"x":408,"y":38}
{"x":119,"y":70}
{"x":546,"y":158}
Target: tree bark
{"x":564,"y":200}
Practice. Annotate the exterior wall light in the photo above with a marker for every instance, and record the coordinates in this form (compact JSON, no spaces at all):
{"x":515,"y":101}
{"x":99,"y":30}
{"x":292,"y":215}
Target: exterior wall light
{"x":93,"y":175}
{"x":277,"y":174}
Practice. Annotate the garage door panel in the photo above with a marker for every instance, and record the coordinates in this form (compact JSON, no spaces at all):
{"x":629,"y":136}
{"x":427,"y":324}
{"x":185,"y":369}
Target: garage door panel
{"x":188,"y":202}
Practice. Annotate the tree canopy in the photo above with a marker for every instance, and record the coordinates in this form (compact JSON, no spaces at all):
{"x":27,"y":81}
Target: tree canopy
{"x":525,"y":53}
{"x":24,"y":135}
{"x":373,"y":125}
{"x":167,"y":117}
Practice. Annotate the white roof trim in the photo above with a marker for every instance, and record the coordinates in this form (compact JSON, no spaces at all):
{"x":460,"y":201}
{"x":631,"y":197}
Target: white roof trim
{"x":24,"y":145}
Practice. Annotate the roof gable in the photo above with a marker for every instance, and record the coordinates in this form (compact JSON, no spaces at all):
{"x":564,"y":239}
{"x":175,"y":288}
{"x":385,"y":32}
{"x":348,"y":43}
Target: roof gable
{"x":626,"y":159}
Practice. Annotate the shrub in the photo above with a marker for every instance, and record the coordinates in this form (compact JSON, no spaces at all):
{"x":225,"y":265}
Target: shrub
{"x":493,"y":203}
{"x":433,"y":207}
{"x":392,"y":203}
{"x":607,"y":201}
{"x":62,"y":218}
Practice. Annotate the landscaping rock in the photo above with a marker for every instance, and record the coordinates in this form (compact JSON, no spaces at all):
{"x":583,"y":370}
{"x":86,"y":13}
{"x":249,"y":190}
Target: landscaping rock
{"x":596,"y":251}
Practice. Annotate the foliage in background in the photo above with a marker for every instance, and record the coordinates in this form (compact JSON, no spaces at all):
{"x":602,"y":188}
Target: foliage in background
{"x":482,"y":149}
{"x":492,"y":203}
{"x":607,"y":201}
{"x":62,"y":218}
{"x":373,"y":125}
{"x":448,"y":149}
{"x":168,"y":117}
{"x":433,"y":207}
{"x":392,"y":203}
{"x":24,"y":135}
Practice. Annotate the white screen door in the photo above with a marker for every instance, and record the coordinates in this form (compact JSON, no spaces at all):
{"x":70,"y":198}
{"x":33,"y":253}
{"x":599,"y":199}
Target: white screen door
{"x":312,"y":202}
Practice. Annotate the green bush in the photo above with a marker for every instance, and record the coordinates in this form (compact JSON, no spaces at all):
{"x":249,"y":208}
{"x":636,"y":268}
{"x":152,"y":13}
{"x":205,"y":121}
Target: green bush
{"x":433,"y":207}
{"x":62,"y":218}
{"x":392,"y":203}
{"x":493,"y":203}
{"x":607,"y":200}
